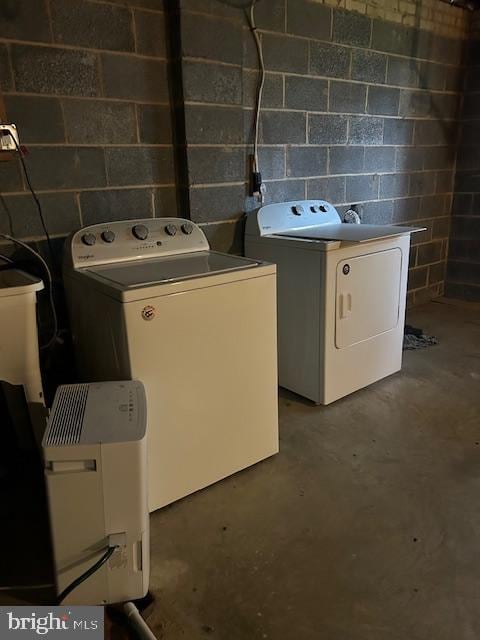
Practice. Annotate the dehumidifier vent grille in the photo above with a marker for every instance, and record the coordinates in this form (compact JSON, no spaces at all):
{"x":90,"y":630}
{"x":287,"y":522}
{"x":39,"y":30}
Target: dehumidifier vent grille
{"x":66,"y":420}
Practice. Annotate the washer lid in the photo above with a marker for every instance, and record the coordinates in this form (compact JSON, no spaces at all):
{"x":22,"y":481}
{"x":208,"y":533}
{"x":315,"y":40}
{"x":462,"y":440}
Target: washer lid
{"x":350,"y":232}
{"x":140,"y":273}
{"x":14,"y":282}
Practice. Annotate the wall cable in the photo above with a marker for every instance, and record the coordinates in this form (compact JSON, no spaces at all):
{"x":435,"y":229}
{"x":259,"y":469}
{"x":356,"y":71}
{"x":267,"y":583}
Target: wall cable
{"x":261,"y":83}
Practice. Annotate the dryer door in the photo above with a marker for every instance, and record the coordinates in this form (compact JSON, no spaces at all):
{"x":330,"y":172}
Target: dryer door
{"x":368,"y":296}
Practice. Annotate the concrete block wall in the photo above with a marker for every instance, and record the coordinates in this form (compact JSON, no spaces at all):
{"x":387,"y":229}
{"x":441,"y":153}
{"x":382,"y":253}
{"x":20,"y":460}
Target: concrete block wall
{"x":357,"y":110}
{"x":86,"y":83}
{"x":463,"y":275}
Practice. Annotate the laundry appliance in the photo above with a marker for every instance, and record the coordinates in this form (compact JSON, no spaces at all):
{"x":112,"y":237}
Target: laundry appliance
{"x":149,"y":300}
{"x":341,"y":296}
{"x":96,"y":477}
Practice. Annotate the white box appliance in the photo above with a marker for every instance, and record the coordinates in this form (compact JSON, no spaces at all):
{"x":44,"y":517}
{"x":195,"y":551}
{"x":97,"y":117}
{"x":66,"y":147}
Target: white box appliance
{"x":341,"y":296}
{"x":95,"y":469}
{"x":149,"y":300}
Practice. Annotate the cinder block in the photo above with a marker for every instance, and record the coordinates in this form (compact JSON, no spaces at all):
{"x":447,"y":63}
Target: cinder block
{"x":150,"y":33}
{"x":347,"y":159}
{"x":347,"y":97}
{"x":406,"y":209}
{"x":327,"y":129}
{"x":403,"y":72}
{"x":462,"y":204}
{"x":398,"y":132}
{"x":393,"y":38}
{"x":369,"y":66}
{"x":210,"y":204}
{"x":429,"y":252}
{"x":270,"y":15}
{"x":154,"y":124}
{"x":432,"y":206}
{"x":394,"y":185}
{"x":434,"y":76}
{"x":165,"y":202}
{"x":95,"y":25}
{"x":434,"y":132}
{"x":361,"y":188}
{"x":436,"y":272}
{"x":285,"y":190}
{"x":139,"y":165}
{"x":309,"y":18}
{"x":331,"y":189}
{"x":115,"y":204}
{"x":5,"y":73}
{"x":379,"y":159}
{"x":10,"y":179}
{"x":282,"y":127}
{"x":351,"y":28}
{"x":212,"y":164}
{"x":307,"y":94}
{"x":415,"y":103}
{"x":55,"y":71}
{"x":25,"y":20}
{"x":329,"y":60}
{"x":211,"y":124}
{"x":365,"y":130}
{"x":409,"y":158}
{"x":59,"y":209}
{"x":211,"y":37}
{"x":377,"y":212}
{"x":272,"y":162}
{"x":422,"y":183}
{"x":417,"y":278}
{"x":383,"y":101}
{"x":207,"y":82}
{"x":438,"y":157}
{"x":272,"y":95}
{"x":37,"y":119}
{"x":227,"y":237}
{"x":99,"y":121}
{"x":66,"y":167}
{"x":306,"y":161}
{"x":134,"y":78}
{"x":284,"y":53}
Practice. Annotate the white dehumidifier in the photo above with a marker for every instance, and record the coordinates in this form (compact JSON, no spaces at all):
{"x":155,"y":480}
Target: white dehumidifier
{"x":96,"y":476}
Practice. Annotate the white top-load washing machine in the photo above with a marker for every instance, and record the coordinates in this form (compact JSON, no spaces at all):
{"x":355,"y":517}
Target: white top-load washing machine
{"x":148,"y":300}
{"x":341,"y":296}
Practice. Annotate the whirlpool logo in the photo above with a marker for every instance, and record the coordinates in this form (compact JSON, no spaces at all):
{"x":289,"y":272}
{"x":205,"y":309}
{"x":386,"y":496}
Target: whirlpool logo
{"x":61,"y":622}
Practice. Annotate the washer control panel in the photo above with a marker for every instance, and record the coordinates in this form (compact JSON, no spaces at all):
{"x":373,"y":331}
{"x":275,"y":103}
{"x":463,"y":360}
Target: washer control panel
{"x":110,"y":242}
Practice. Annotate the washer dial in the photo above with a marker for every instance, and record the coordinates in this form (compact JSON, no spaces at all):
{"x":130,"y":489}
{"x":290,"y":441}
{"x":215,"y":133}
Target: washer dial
{"x":140,"y":231}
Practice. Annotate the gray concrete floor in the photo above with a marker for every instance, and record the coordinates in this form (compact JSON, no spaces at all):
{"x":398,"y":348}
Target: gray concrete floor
{"x":365,"y":526}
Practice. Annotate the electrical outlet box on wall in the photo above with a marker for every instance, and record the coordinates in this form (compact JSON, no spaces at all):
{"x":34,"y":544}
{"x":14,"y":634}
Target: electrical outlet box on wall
{"x":8,"y":137}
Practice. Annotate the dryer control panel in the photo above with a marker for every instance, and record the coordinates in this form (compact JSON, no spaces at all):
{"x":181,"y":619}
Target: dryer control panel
{"x":285,"y":216}
{"x":111,"y":242}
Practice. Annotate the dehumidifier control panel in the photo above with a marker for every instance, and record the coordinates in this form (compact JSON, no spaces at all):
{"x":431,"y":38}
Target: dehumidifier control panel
{"x":110,"y":242}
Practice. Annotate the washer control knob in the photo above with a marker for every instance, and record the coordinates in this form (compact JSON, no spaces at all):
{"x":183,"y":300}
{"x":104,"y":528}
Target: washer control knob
{"x":108,"y":236}
{"x":187,"y":228}
{"x":297,"y":209}
{"x":170,"y":229}
{"x":140,"y":231}
{"x":89,"y":239}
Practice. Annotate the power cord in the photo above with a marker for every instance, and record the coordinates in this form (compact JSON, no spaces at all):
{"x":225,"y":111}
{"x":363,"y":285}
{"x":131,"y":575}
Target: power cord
{"x":35,"y":198}
{"x":50,"y":285}
{"x":258,"y":188}
{"x":78,"y":581}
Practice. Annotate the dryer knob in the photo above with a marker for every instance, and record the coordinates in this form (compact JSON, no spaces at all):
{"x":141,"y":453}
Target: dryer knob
{"x":170,"y":229}
{"x":140,"y":231}
{"x":108,"y":236}
{"x":297,"y":209}
{"x":89,"y":239}
{"x":187,"y":228}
